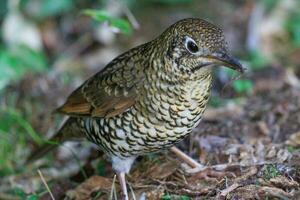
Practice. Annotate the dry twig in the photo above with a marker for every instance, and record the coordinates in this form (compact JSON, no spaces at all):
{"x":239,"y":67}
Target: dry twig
{"x":45,"y":183}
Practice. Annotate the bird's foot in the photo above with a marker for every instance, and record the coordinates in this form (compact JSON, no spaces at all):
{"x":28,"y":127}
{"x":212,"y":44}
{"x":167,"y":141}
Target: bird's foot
{"x":209,"y":174}
{"x":186,"y":158}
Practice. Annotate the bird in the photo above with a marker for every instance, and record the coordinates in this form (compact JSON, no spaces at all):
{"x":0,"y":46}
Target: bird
{"x":148,"y":98}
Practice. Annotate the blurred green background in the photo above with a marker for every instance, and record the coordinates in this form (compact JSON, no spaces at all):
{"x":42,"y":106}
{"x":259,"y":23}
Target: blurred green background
{"x":47,"y":48}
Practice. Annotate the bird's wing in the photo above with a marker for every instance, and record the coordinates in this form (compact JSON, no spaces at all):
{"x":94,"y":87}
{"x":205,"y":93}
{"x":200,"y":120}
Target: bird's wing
{"x":109,"y":92}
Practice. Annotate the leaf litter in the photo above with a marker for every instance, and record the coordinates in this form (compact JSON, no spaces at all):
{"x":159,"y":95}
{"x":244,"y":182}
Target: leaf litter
{"x":251,"y":150}
{"x":250,"y":154}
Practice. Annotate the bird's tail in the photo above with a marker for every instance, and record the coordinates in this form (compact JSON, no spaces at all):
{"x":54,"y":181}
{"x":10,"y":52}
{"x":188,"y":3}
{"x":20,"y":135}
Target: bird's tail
{"x":68,"y":131}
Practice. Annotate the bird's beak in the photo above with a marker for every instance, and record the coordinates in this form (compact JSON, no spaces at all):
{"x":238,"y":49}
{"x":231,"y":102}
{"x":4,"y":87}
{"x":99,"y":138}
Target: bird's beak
{"x":223,"y":58}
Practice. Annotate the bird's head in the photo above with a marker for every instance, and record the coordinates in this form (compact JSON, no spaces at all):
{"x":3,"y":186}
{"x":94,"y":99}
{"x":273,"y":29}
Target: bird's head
{"x":194,"y":45}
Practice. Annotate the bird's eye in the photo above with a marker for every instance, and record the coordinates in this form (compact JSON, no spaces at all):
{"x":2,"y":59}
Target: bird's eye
{"x":191,"y":45}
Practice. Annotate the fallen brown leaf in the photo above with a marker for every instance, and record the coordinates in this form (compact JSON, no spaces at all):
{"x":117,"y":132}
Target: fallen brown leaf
{"x":86,"y":189}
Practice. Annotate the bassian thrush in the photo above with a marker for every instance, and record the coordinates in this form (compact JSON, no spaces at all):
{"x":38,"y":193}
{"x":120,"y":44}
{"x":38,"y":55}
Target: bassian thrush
{"x":149,"y":98}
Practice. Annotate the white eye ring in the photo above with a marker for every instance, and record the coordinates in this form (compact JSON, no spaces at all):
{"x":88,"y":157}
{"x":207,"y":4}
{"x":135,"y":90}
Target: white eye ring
{"x":191,"y":45}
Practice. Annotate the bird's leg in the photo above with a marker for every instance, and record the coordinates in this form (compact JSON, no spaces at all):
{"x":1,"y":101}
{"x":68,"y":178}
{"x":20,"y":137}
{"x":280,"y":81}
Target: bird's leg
{"x":122,"y":166}
{"x":124,"y":194}
{"x":190,"y":161}
{"x":200,"y":170}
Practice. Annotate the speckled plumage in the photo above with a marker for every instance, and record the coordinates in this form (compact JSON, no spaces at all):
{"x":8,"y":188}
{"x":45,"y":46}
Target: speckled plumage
{"x":157,"y":120}
{"x":147,"y":98}
{"x":150,"y":97}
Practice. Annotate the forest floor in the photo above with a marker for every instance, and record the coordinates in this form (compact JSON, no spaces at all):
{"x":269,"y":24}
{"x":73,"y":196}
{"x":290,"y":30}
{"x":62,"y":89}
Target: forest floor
{"x":250,"y":149}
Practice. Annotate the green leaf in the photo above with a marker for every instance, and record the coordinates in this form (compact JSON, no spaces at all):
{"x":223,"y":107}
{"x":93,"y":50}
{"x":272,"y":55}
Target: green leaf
{"x":98,"y":15}
{"x":166,"y":197}
{"x":34,"y":60}
{"x":101,"y":168}
{"x":11,"y":68}
{"x":19,"y":192}
{"x":270,"y":171}
{"x":32,"y":197}
{"x":292,"y":149}
{"x":14,"y":132}
{"x":11,"y":118}
{"x":102,"y":16}
{"x":122,"y":25}
{"x":230,"y":72}
{"x":293,"y":27}
{"x":242,"y":85}
{"x":257,"y":60}
{"x":216,"y":102}
{"x":16,"y":62}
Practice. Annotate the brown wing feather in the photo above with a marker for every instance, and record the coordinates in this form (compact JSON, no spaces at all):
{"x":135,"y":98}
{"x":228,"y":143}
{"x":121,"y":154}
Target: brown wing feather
{"x":76,"y":104}
{"x":110,"y":92}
